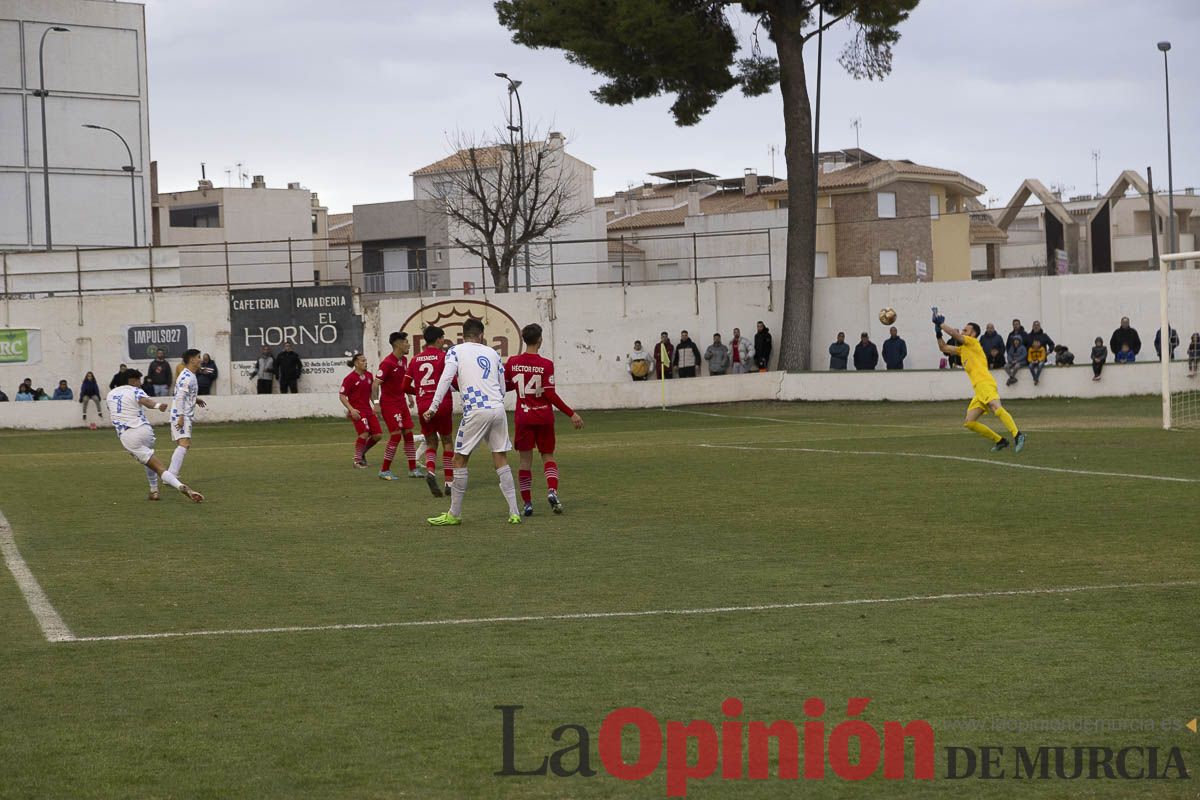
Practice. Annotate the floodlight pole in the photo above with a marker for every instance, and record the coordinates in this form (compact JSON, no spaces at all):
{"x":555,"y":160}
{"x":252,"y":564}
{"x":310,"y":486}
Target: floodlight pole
{"x":41,"y":93}
{"x":131,"y":169}
{"x":1171,"y":244}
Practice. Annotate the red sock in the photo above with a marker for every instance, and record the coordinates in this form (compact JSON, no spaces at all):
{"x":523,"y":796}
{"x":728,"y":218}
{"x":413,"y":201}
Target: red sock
{"x":431,"y":460}
{"x":368,"y":445}
{"x":525,"y":477}
{"x":358,"y":449}
{"x":390,"y":452}
{"x":448,"y":465}
{"x":551,"y":468}
{"x":410,"y":450}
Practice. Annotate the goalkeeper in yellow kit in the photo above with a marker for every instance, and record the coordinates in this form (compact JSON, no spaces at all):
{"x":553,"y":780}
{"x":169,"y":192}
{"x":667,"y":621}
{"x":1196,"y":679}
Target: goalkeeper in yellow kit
{"x":987,"y":396}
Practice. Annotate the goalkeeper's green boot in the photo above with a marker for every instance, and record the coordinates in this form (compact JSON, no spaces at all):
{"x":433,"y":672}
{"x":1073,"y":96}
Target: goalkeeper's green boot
{"x":445,"y":519}
{"x":1000,"y":445}
{"x":514,"y":519}
{"x":1020,"y":442}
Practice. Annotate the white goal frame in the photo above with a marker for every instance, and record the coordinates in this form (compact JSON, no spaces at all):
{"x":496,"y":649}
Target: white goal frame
{"x":1164,"y":267}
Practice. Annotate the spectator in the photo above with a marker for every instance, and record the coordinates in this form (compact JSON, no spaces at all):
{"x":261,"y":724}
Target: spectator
{"x":762,"y":347}
{"x":264,"y":370}
{"x":687,"y":357}
{"x":288,"y":368}
{"x":1063,"y":357}
{"x":1125,"y":355}
{"x":1193,"y":353}
{"x":158,"y":376}
{"x":3,"y":397}
{"x":1099,"y":356}
{"x":1016,"y":356}
{"x":119,"y":378}
{"x":24,"y":392}
{"x":716,"y":355}
{"x":40,"y":394}
{"x":741,"y":352}
{"x":1125,"y":335}
{"x":90,"y":390}
{"x":894,"y":351}
{"x":995,"y":358}
{"x":1018,"y":330}
{"x":989,"y":340}
{"x":206,"y":375}
{"x":63,"y":392}
{"x":641,"y":364}
{"x":1173,"y":344}
{"x":839,"y":352}
{"x":1036,"y":356}
{"x":953,"y":360}
{"x":664,"y":351}
{"x":866,"y":355}
{"x":1039,"y":335}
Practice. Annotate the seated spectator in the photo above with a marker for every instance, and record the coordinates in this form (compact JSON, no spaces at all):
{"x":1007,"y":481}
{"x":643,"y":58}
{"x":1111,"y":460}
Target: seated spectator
{"x":1036,"y":357}
{"x":1125,"y":335}
{"x":1018,"y":330}
{"x":206,"y":375}
{"x":63,"y":392}
{"x":89,"y":390}
{"x":990,"y":339}
{"x":1125,"y":355}
{"x":24,"y":392}
{"x":996,"y":355}
{"x":1063,"y":357}
{"x":40,"y":394}
{"x":1036,"y":334}
{"x":1099,"y":356}
{"x":1158,"y":343}
{"x":839,"y":352}
{"x":1016,"y":357}
{"x":866,"y":354}
{"x":1193,"y":355}
{"x":3,"y":397}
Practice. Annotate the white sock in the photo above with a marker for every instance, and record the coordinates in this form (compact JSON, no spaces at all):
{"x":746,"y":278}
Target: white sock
{"x":458,"y":488}
{"x":170,"y":479}
{"x":177,"y":459}
{"x":507,"y":487}
{"x":152,"y":476}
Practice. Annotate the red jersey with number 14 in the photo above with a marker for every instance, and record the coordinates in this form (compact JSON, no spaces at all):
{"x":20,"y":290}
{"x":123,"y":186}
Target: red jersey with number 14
{"x":356,"y":387}
{"x":391,"y":377}
{"x":425,"y":370}
{"x":531,"y":376}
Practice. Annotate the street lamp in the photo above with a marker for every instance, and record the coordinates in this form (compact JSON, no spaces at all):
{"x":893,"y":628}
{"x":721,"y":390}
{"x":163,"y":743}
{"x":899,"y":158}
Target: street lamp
{"x":41,"y":92}
{"x":518,"y":156}
{"x":130,"y":169}
{"x":1164,"y":47}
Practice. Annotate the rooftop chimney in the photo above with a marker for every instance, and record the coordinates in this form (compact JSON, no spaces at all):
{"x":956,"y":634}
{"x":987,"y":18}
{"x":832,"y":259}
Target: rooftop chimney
{"x":693,"y":195}
{"x":258,"y":183}
{"x":556,"y":140}
{"x":204,"y":184}
{"x":750,"y":182}
{"x":294,"y":185}
{"x":619,"y":204}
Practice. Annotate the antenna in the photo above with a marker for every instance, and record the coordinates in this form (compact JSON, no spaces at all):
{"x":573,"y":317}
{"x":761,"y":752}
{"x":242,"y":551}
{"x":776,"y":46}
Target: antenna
{"x":202,"y":175}
{"x":1096,"y":161}
{"x":772,"y":150}
{"x":228,"y":177}
{"x":241,"y":175}
{"x":856,"y":123}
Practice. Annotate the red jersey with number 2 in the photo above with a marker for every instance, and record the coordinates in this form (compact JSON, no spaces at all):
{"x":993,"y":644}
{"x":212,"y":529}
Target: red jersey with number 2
{"x":425,"y":370}
{"x":531,"y":376}
{"x":356,"y":388}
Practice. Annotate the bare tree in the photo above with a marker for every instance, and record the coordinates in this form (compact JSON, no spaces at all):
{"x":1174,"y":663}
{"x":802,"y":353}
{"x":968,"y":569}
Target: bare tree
{"x":502,"y":192}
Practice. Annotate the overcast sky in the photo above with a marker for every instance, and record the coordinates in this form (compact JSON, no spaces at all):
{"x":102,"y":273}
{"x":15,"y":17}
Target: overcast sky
{"x":349,"y":98}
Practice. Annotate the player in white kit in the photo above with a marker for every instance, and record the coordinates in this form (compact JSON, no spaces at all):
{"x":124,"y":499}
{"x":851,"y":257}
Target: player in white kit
{"x":125,"y":409}
{"x":183,"y":408}
{"x":481,"y":382}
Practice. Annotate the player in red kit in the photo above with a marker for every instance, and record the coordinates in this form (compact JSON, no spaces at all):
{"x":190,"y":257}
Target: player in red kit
{"x":424,"y":371}
{"x":389,"y":388}
{"x":356,"y":397}
{"x":531,"y":376}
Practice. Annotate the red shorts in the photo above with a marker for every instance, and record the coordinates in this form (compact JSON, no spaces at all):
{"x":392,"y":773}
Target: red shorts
{"x":442,"y":423}
{"x":396,"y":416}
{"x":367,"y":422}
{"x":530,"y":436}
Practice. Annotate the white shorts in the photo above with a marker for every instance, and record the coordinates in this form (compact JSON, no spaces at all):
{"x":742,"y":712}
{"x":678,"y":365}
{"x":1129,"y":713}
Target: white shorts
{"x":480,"y":424}
{"x":139,"y":442}
{"x":186,"y":433}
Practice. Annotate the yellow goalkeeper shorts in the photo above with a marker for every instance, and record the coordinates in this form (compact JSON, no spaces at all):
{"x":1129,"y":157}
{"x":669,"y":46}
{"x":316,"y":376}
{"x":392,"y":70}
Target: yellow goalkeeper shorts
{"x":984,"y":395}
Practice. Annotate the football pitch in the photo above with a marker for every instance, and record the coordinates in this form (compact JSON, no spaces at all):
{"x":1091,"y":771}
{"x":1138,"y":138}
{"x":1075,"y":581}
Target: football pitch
{"x":304,"y":633}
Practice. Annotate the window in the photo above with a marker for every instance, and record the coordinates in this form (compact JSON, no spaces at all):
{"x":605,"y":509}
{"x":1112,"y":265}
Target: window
{"x":668,"y":271}
{"x":889,"y":262}
{"x":196,"y":217}
{"x":934,"y":206}
{"x":887,"y":204}
{"x":822,"y":265}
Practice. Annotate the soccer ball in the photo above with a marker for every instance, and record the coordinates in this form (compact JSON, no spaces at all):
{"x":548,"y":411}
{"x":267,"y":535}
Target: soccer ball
{"x":887,"y":315}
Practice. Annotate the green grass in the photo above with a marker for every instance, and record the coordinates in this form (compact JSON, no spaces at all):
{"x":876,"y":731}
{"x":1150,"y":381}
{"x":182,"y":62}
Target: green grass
{"x":292,"y":536}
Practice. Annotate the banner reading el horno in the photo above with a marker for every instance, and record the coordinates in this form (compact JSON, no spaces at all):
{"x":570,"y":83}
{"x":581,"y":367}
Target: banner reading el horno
{"x":318,"y":321}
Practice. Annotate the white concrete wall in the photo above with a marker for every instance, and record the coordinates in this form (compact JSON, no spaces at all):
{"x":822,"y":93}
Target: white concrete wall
{"x":96,"y":74}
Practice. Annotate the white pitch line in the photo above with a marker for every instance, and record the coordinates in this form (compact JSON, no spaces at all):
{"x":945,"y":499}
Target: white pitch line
{"x":866,"y":601}
{"x":989,"y":462}
{"x":53,"y":627}
{"x":804,"y":421}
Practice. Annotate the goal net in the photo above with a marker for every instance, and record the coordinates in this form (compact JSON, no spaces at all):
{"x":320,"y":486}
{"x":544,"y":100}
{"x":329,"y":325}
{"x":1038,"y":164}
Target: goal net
{"x":1179,"y":312}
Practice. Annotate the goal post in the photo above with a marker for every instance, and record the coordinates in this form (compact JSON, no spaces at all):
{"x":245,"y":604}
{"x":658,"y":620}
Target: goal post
{"x":1180,"y":403}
